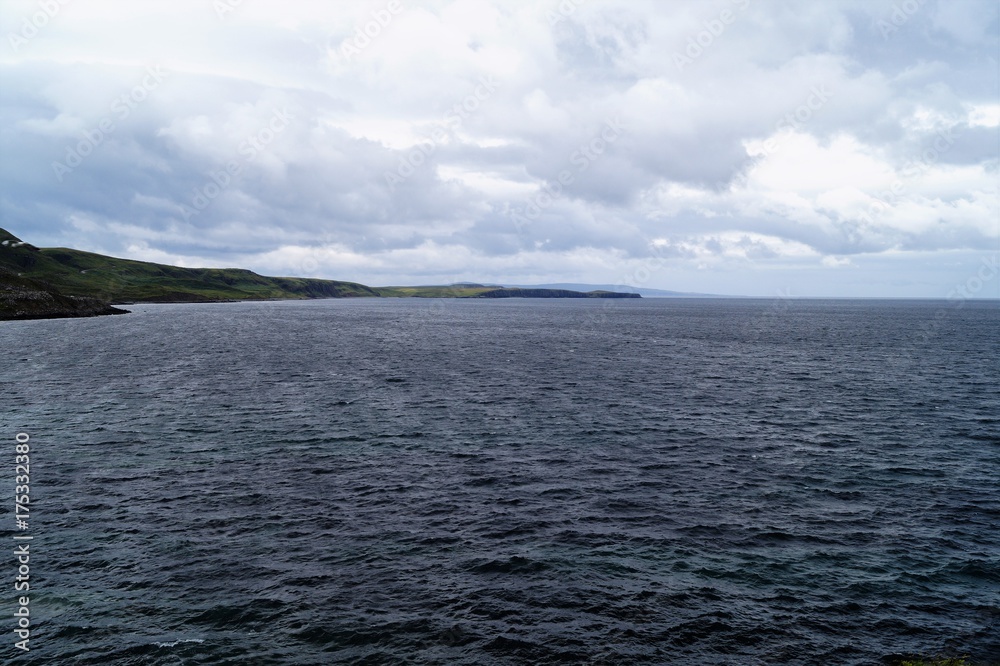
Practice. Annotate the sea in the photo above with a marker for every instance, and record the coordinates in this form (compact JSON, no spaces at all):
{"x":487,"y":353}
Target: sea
{"x":518,"y":481}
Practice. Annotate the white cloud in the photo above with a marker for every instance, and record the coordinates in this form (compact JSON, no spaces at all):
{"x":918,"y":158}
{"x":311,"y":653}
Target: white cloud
{"x":984,"y":115}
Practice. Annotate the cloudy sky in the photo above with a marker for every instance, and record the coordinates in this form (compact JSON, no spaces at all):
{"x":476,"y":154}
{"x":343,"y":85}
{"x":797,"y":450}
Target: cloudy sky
{"x":757,"y":147}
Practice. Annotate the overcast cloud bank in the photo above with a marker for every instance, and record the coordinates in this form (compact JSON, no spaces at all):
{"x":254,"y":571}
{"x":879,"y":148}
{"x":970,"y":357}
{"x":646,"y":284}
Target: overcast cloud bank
{"x":844,"y":148}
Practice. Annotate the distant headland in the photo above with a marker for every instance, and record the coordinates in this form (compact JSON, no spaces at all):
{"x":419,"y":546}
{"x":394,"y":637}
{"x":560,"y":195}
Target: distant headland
{"x":38,"y":283}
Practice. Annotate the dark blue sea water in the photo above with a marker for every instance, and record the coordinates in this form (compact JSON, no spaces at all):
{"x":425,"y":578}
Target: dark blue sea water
{"x":509,"y":482}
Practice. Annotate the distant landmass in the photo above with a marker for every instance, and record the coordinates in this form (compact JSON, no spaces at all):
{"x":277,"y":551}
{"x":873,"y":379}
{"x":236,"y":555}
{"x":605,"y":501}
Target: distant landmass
{"x":473,"y":290}
{"x":61,"y":282}
{"x":643,"y":291}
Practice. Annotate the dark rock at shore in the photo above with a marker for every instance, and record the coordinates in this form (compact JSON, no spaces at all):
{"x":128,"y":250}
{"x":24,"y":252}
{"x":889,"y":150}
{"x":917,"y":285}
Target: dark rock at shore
{"x":23,"y":298}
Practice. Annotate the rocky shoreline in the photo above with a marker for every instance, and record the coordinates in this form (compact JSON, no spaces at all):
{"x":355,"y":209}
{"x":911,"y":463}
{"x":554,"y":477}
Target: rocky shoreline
{"x":22,"y":298}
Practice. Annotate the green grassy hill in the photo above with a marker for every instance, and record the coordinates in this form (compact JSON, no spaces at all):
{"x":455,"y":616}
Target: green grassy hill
{"x":430,"y":291}
{"x":77,"y":273}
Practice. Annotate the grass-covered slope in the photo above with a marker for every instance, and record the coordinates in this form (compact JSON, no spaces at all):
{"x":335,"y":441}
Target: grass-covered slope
{"x":78,"y":273}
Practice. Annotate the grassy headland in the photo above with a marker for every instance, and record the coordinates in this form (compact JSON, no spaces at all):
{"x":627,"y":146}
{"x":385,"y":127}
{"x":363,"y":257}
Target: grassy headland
{"x":64,"y":273}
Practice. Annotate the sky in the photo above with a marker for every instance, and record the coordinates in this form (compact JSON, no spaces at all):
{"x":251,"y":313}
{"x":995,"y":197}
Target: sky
{"x":844,"y":148}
